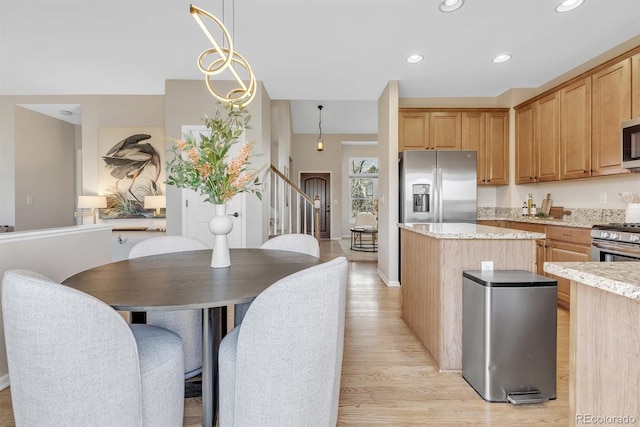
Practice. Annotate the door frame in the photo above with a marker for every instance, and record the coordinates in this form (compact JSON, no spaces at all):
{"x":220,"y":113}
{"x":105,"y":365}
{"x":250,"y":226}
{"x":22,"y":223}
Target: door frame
{"x":331,"y":190}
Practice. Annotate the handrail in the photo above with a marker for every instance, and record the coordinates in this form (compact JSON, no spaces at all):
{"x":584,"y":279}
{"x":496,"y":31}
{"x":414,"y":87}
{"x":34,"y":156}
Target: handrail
{"x":283,"y":209}
{"x":288,"y":181}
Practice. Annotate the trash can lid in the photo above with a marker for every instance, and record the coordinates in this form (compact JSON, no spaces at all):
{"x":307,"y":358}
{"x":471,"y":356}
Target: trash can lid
{"x":508,"y":278}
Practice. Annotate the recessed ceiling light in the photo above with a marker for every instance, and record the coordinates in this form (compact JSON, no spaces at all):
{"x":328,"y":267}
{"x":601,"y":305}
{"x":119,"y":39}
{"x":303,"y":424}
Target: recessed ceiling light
{"x":451,"y":5}
{"x":501,"y":58}
{"x":568,"y":5}
{"x":412,"y":59}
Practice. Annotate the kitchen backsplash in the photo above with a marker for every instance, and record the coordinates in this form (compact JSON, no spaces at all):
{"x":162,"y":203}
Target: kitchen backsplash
{"x":597,"y":216}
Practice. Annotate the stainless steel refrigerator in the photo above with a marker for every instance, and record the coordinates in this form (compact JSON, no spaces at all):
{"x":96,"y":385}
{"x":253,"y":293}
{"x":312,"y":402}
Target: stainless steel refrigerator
{"x":438,"y":186}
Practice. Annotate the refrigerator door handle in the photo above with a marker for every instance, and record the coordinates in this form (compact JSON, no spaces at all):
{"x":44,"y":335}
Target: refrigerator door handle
{"x":434,"y":196}
{"x":440,"y":197}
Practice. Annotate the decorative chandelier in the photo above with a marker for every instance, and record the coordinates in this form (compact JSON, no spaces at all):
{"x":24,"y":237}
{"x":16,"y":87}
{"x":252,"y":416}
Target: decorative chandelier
{"x":320,"y":143}
{"x":227,"y":59}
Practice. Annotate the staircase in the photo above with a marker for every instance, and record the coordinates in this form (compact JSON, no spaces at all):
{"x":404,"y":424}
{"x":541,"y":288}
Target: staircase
{"x":292,"y":211}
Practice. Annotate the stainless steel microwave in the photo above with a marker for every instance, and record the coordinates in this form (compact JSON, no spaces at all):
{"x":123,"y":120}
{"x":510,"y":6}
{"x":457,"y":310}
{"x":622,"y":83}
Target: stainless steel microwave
{"x":631,"y":144}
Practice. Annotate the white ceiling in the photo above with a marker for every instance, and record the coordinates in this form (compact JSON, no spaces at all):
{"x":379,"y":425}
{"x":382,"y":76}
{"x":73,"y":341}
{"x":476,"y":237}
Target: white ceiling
{"x":330,"y":52}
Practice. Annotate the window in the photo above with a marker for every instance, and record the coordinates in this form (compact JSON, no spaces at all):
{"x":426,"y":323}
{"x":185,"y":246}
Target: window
{"x":363,"y":186}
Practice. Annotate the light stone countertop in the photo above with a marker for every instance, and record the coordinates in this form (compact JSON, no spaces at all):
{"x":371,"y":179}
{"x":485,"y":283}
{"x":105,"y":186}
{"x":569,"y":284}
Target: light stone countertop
{"x":549,"y":221}
{"x":621,"y":278}
{"x":456,"y":230}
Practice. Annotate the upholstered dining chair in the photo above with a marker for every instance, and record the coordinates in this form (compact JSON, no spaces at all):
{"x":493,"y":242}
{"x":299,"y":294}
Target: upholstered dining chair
{"x":282,"y":366}
{"x":74,"y":361}
{"x":294,"y":242}
{"x":366,"y":219}
{"x":186,"y":323}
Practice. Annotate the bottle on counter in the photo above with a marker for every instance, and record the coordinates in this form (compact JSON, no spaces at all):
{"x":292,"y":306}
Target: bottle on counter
{"x":529,"y":204}
{"x":534,"y":210}
{"x":524,"y":209}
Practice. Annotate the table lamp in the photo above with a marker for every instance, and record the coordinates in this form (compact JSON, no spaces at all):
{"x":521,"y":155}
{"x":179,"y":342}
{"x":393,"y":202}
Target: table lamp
{"x":157,"y":203}
{"x":91,"y":202}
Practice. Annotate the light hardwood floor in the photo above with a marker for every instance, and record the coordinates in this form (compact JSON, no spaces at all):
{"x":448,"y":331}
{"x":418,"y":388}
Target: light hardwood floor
{"x":388,"y":378}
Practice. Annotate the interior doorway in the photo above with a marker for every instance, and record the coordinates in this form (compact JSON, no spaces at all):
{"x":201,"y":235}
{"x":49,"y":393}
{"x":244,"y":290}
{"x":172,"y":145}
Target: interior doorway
{"x":318,"y":184}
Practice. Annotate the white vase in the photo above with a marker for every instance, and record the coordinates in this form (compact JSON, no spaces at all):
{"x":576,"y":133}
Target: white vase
{"x":220,"y":225}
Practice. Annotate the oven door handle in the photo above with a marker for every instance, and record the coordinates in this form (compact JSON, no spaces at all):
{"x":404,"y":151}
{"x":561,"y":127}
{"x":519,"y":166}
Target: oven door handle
{"x":617,"y":249}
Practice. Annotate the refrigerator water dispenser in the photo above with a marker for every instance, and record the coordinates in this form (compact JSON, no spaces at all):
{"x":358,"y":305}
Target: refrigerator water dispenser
{"x":421,"y":197}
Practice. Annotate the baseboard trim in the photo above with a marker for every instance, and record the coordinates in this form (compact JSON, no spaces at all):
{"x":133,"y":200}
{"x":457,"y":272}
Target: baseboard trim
{"x":389,"y":283}
{"x":4,"y":381}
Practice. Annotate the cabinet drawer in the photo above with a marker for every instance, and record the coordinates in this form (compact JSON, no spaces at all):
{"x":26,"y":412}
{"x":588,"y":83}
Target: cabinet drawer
{"x":525,"y":226}
{"x":569,"y":234}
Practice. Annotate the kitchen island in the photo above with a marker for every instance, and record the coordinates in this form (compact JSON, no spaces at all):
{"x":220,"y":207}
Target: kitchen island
{"x":433,"y":257}
{"x":604,"y":341}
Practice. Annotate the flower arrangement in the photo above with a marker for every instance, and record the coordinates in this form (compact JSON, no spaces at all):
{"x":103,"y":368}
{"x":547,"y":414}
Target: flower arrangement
{"x":204,"y":165}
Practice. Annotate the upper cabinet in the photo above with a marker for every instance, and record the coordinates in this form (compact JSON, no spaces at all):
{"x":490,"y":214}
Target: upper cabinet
{"x":573,"y":131}
{"x":635,"y":85}
{"x":488,"y":134}
{"x":484,"y":130}
{"x":445,"y":130}
{"x":413,"y":128}
{"x":611,"y":105}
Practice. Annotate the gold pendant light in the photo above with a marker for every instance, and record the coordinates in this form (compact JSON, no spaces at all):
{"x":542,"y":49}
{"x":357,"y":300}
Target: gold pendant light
{"x":227,"y":60}
{"x":320,"y":142}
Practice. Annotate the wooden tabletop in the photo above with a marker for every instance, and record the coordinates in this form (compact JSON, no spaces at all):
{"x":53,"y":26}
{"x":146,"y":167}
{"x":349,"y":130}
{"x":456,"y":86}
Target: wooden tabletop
{"x":185,"y":280}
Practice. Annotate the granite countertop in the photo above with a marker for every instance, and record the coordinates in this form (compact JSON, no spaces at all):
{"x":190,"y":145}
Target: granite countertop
{"x":621,"y":278}
{"x":582,"y":223}
{"x":469,"y":231}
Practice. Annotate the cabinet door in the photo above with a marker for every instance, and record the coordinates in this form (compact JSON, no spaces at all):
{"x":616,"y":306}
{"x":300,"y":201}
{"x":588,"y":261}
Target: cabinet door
{"x":473,"y":138}
{"x":575,"y":130}
{"x":497,"y":148}
{"x":611,"y":105}
{"x":445,"y":130}
{"x":525,"y":155}
{"x":413,"y":130}
{"x":565,"y":252}
{"x":635,"y":86}
{"x":541,"y":246}
{"x":547,"y":137}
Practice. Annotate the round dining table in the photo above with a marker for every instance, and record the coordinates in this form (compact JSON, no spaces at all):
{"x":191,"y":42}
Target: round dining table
{"x":185,"y":280}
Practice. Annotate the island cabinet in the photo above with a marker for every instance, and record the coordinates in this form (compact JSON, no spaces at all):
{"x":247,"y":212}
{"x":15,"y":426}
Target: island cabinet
{"x":611,"y":105}
{"x":433,"y":257}
{"x":604,"y":342}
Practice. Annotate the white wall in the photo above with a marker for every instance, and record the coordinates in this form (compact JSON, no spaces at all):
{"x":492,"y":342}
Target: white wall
{"x":388,"y":232}
{"x":56,"y":253}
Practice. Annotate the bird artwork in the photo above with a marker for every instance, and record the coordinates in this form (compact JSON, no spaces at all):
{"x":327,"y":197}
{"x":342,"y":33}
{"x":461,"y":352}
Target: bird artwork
{"x":128,"y":158}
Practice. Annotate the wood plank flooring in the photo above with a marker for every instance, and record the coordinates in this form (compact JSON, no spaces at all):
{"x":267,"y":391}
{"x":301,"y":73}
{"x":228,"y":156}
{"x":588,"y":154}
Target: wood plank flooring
{"x":388,"y":378}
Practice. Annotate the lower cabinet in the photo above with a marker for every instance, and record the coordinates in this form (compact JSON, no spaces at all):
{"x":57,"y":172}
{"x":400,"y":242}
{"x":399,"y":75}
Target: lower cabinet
{"x":563,"y":244}
{"x":567,"y":244}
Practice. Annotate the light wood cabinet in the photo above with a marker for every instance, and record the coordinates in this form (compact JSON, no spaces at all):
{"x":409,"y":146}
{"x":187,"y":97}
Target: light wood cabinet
{"x":525,"y":154}
{"x":635,"y":86}
{"x":488,"y":134}
{"x":567,"y":244}
{"x":445,"y":130}
{"x":575,"y":130}
{"x":611,"y":105}
{"x":413,"y":130}
{"x":547,"y":138}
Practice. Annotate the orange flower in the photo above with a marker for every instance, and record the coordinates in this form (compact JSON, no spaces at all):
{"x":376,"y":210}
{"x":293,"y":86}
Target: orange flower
{"x":193,"y":155}
{"x":181,"y":144}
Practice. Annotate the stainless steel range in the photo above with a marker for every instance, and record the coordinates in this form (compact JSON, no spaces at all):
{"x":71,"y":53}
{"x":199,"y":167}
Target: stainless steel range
{"x":615,"y":242}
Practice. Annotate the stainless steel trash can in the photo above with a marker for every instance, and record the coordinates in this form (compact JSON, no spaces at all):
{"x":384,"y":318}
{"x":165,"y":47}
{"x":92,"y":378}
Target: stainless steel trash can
{"x":509,"y":327}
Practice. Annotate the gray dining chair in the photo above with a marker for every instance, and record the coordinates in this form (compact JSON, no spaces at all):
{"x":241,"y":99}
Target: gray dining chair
{"x":295,"y":242}
{"x":74,"y":361}
{"x":186,"y":323}
{"x":282,"y":366}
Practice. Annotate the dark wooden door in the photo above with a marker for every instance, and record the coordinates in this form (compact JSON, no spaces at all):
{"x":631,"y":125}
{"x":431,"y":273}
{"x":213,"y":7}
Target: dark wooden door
{"x":318,"y":184}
